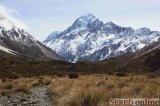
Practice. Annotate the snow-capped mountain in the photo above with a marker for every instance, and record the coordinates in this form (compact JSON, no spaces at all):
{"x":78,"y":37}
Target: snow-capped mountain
{"x":15,"y":40}
{"x":50,"y":38}
{"x":89,"y":39}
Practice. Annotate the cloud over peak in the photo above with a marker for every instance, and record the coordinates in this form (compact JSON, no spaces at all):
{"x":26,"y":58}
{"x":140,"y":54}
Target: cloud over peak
{"x":11,"y":14}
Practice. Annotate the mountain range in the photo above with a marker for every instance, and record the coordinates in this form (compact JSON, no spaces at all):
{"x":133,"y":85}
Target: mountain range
{"x":90,"y":39}
{"x":117,"y":49}
{"x":15,"y":41}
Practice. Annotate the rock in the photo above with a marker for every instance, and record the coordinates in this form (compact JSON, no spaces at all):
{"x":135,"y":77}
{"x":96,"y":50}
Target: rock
{"x":73,"y":76}
{"x":16,"y":101}
{"x":24,"y":103}
{"x":15,"y":104}
{"x":23,"y":99}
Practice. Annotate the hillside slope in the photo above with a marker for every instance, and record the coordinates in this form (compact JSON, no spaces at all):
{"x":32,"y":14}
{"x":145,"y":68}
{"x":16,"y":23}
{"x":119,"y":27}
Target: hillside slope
{"x":18,"y":40}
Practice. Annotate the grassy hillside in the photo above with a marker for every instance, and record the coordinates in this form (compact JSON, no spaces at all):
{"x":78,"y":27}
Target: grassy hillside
{"x":141,"y":63}
{"x":21,"y":66}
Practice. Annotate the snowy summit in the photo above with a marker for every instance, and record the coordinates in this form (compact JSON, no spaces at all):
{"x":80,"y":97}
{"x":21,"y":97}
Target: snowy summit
{"x":89,"y":39}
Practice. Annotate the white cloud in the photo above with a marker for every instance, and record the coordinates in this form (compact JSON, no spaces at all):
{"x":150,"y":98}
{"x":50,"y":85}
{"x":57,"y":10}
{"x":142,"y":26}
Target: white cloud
{"x":11,"y":14}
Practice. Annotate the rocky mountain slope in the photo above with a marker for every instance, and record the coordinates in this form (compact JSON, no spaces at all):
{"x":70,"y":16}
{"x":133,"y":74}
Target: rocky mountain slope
{"x":14,"y":40}
{"x":144,"y":61}
{"x":89,"y":39}
{"x":149,"y":56}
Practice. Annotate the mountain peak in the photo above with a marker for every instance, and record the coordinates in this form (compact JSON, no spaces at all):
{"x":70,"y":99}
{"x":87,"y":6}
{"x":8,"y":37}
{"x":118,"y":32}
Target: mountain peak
{"x":88,"y":16}
{"x":110,"y":24}
{"x":86,"y":21}
{"x":143,"y":31}
{"x":89,"y":39}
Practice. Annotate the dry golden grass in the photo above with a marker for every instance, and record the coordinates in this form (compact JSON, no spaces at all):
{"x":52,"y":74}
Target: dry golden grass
{"x":95,"y":90}
{"x":23,"y":85}
{"x":87,"y":90}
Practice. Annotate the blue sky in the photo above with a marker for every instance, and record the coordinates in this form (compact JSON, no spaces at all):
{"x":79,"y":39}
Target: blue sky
{"x":41,"y":17}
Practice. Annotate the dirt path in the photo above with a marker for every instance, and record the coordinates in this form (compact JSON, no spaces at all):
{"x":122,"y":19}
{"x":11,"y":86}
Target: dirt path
{"x":43,"y":95}
{"x":39,"y":97}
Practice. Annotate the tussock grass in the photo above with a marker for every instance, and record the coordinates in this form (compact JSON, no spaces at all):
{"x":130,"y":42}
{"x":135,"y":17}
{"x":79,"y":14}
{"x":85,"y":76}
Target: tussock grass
{"x":23,"y":85}
{"x":8,"y":86}
{"x":95,"y":90}
{"x":87,"y":90}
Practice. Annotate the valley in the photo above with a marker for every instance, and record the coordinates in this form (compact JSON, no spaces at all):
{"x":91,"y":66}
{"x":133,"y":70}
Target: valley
{"x":85,"y":64}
